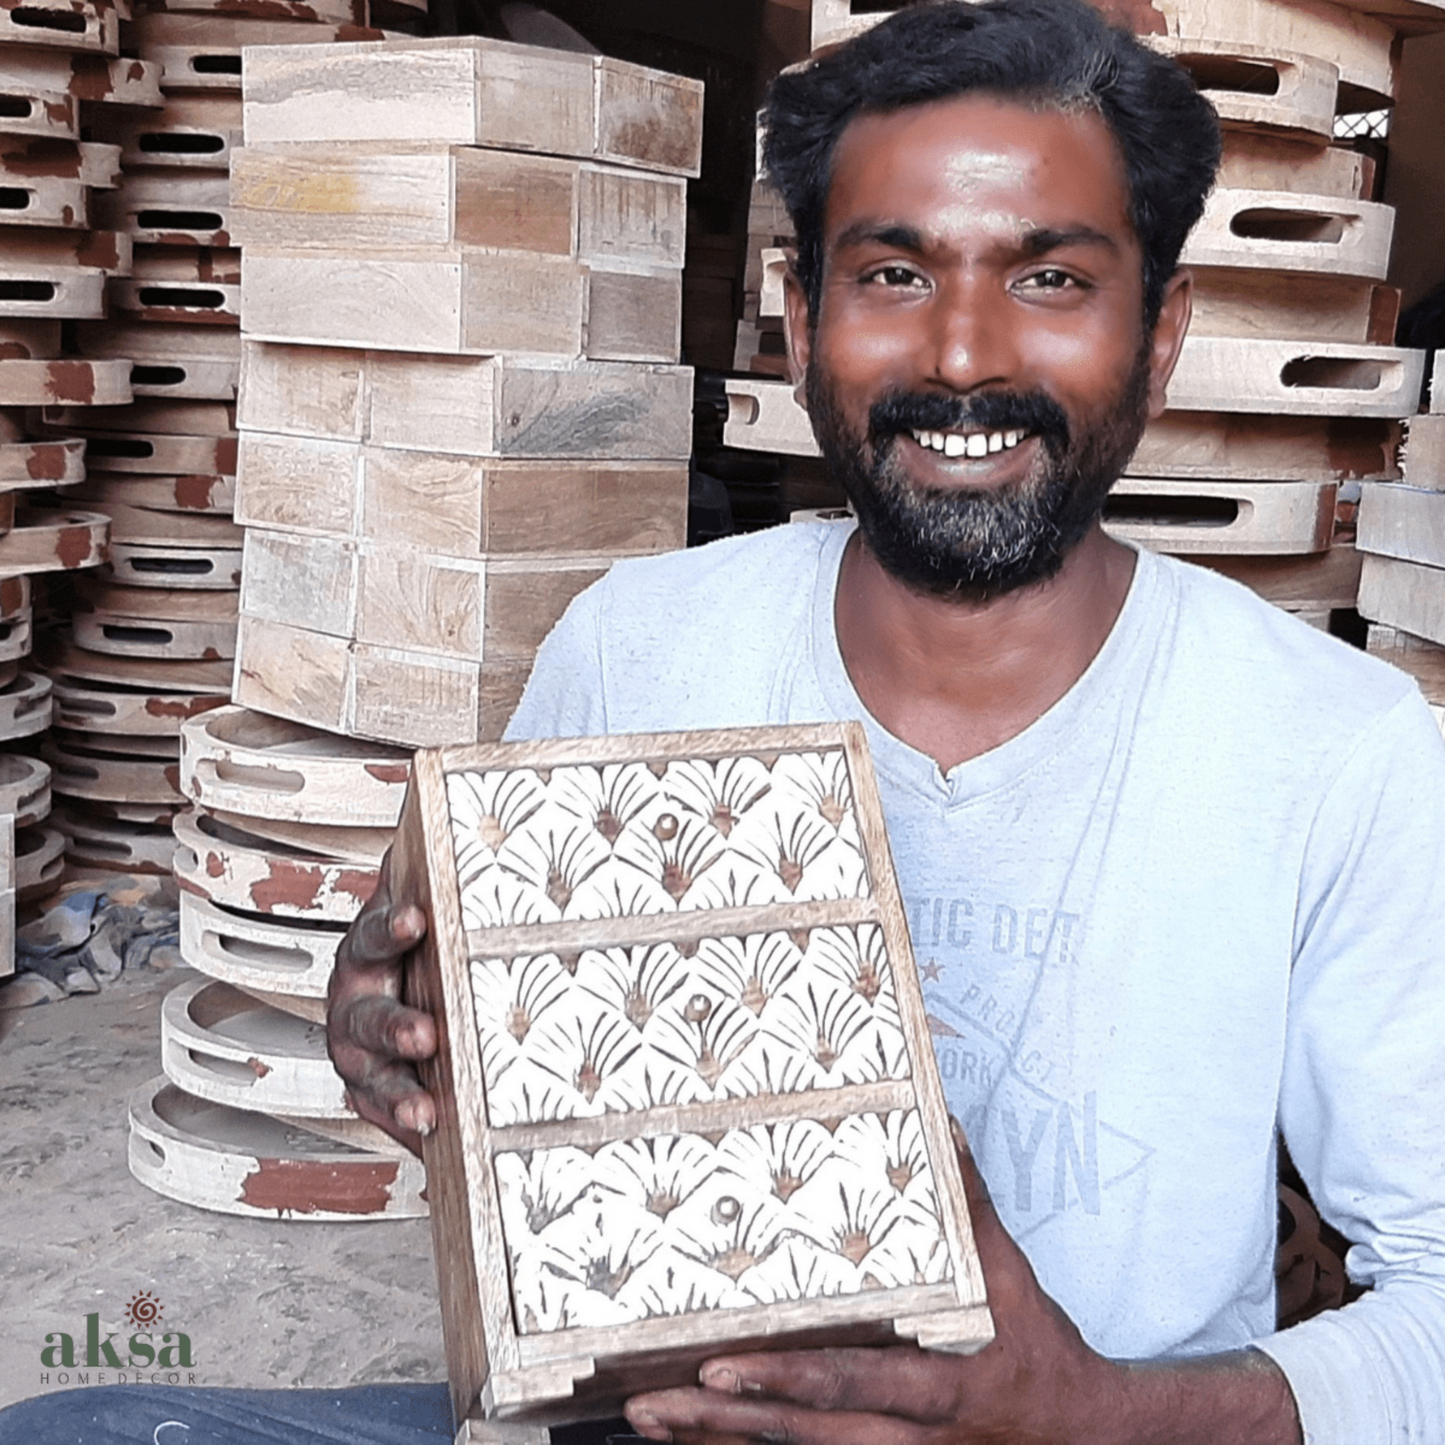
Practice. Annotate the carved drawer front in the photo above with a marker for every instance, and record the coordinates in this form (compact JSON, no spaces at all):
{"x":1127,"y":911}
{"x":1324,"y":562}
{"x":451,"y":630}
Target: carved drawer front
{"x":687,"y":1089}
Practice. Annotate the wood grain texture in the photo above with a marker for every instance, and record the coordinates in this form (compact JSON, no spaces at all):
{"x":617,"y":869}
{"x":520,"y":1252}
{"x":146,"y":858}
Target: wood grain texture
{"x":1254,"y":160}
{"x":1252,"y":86}
{"x":1407,"y":522}
{"x":1423,"y":459}
{"x":1241,"y":518}
{"x":272,"y":954}
{"x":1321,"y":582}
{"x":1403,"y":594}
{"x":1260,"y":447}
{"x":560,"y":1345}
{"x":26,"y":706}
{"x":124,"y":81}
{"x":1286,"y":305}
{"x":24,"y":789}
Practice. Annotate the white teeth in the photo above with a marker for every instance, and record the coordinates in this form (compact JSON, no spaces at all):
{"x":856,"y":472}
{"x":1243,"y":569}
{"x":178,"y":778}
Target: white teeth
{"x":974,"y":444}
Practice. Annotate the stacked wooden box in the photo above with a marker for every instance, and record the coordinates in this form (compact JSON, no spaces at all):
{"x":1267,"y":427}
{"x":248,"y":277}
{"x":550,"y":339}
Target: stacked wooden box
{"x":1402,"y":536}
{"x":461,"y":294}
{"x":1288,"y":392}
{"x":59,"y":76}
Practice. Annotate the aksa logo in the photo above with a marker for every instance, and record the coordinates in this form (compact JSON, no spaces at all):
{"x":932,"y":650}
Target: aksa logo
{"x":144,"y":1357}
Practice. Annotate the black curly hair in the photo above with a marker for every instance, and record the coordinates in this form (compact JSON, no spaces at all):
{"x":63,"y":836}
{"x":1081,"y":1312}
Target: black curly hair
{"x":1054,"y":53}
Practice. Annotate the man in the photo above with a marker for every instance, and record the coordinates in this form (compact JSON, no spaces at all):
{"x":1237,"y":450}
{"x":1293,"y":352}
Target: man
{"x":1169,"y":876}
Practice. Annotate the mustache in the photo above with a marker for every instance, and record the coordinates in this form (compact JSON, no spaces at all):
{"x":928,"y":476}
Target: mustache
{"x":902,"y":412}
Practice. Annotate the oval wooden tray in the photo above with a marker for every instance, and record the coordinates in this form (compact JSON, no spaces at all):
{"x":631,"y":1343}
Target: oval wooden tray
{"x":94,"y":841}
{"x":25,"y":706}
{"x":365,"y":846}
{"x":64,"y":382}
{"x":97,"y":708}
{"x":24,"y":788}
{"x":292,"y":958}
{"x":240,"y":1162}
{"x":119,"y":779}
{"x":220,"y":1044}
{"x":234,"y":867}
{"x":212,"y":495}
{"x":118,"y":745}
{"x":145,"y":526}
{"x":202,"y":568}
{"x":39,"y":862}
{"x":126,"y":636}
{"x":41,"y":463}
{"x":72,"y":663}
{"x":45,"y":541}
{"x":244,"y":762}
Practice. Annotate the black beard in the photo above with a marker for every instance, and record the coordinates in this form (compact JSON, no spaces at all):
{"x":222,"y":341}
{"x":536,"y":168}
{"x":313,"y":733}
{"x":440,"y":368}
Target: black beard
{"x":975,"y":544}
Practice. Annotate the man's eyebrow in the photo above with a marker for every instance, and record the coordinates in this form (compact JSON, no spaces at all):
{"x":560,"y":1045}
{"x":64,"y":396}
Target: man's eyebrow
{"x":1040,"y":242}
{"x":880,"y":233}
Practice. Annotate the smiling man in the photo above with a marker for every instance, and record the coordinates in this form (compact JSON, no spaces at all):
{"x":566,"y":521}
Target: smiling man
{"x":1174,"y":863}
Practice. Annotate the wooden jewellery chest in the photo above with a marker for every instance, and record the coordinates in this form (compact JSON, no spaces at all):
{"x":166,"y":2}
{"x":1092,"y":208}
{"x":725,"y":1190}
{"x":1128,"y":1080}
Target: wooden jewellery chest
{"x":688,"y":1099}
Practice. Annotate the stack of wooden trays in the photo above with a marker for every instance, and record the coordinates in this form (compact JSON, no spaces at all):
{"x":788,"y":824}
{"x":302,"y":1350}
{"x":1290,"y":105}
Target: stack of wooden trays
{"x":281,"y":847}
{"x":1288,"y":393}
{"x":461,"y":292}
{"x":1402,"y":536}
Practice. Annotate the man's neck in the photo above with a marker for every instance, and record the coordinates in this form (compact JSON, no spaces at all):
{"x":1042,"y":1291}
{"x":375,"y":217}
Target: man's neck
{"x":956,"y":679}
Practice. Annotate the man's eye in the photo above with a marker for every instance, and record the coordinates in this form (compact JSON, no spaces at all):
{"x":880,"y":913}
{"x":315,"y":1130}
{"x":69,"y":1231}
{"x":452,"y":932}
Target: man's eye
{"x":893,"y":276}
{"x":1051,"y":280}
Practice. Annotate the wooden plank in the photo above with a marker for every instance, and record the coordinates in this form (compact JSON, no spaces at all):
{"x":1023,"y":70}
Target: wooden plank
{"x":1292,"y":306}
{"x":1242,"y":518}
{"x":648,"y":118}
{"x":1253,"y":86}
{"x":1423,"y":458}
{"x":1314,"y":379}
{"x":462,"y":301}
{"x":1406,"y":595}
{"x":1287,"y":231}
{"x":168,"y":302}
{"x":1244,"y":447}
{"x":1402,"y":521}
{"x":237,"y":761}
{"x":235,"y":868}
{"x":245,"y":1163}
{"x":1255,"y":161}
{"x":525,"y":600}
{"x":64,"y":383}
{"x":462,"y":90}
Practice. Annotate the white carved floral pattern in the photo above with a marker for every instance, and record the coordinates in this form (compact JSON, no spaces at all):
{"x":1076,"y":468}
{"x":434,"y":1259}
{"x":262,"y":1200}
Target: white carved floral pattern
{"x":626,"y":839}
{"x":649,"y":1227}
{"x":643,"y":1026}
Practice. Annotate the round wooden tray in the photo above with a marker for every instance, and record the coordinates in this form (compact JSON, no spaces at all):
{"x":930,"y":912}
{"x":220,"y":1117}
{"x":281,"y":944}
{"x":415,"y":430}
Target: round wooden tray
{"x":199,"y":568}
{"x":16,"y":635}
{"x":241,"y":761}
{"x":240,"y":1162}
{"x":64,"y":382}
{"x":95,"y":595}
{"x":118,"y":745}
{"x":25,"y":706}
{"x":111,"y":708}
{"x":26,"y":464}
{"x":39,"y":862}
{"x":366,"y":846}
{"x":235,"y":868}
{"x":144,"y":527}
{"x":199,"y":494}
{"x":43,"y":541}
{"x":88,"y":773}
{"x":220,"y":1044}
{"x":161,"y":675}
{"x":95,"y":841}
{"x":249,"y":952}
{"x":24,"y":788}
{"x":154,"y":637}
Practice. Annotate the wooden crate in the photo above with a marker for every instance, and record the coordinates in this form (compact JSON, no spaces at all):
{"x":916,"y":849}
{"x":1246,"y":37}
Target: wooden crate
{"x":602,"y":1029}
{"x":1251,"y":86}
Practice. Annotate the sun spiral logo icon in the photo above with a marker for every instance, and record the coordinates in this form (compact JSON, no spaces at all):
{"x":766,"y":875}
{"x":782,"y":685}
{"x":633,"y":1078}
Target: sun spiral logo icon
{"x":144,"y":1310}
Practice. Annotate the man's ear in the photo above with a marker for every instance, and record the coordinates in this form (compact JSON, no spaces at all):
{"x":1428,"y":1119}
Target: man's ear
{"x":796,"y":331}
{"x":1168,"y":338}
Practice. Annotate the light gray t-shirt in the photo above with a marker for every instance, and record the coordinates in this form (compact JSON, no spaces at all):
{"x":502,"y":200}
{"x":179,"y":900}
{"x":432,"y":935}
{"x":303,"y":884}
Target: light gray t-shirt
{"x":1202,"y":896}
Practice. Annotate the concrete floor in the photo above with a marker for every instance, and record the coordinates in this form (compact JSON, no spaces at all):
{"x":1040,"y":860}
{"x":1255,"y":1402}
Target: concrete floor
{"x":265,"y":1304}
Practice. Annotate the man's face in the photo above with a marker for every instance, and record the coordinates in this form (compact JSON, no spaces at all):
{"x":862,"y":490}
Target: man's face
{"x":978,"y":374}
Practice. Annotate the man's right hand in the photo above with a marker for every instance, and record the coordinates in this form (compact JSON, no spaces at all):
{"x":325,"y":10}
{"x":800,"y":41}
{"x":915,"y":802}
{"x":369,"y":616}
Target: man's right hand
{"x":373,"y":1038}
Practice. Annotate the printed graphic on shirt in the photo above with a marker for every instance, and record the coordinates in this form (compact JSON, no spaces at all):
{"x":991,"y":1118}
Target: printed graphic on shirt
{"x":1037,"y":1127}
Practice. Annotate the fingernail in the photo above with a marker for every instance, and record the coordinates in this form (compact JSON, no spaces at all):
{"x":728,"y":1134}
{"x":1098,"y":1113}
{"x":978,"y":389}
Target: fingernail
{"x":649,"y":1425}
{"x":719,"y":1377}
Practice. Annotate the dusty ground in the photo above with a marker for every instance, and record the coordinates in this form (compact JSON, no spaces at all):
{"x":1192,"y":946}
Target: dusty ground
{"x":264,"y":1304}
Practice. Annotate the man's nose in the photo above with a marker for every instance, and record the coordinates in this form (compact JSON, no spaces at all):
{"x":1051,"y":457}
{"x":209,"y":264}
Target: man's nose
{"x":971,"y":341}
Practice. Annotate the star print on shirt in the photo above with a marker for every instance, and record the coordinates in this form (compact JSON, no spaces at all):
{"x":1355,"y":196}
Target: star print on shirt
{"x":931,"y":971}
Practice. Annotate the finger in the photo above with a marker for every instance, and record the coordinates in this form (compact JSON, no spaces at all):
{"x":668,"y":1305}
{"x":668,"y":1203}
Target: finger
{"x":381,"y":1025}
{"x":686,"y":1414}
{"x":393,"y":1100}
{"x":383,"y":933}
{"x":901,"y":1380}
